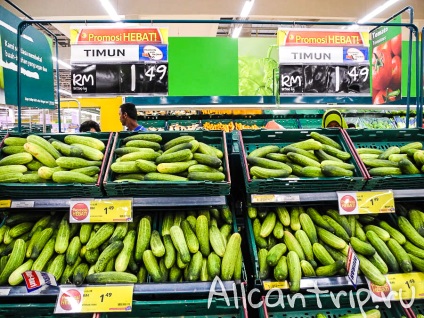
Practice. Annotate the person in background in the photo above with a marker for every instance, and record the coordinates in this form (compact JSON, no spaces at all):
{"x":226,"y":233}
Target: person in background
{"x":89,"y":126}
{"x":333,"y":118}
{"x":351,"y":125}
{"x":128,"y":117}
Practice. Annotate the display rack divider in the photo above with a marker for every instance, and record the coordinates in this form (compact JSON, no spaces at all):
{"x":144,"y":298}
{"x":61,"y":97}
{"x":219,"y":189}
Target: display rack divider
{"x":412,"y":27}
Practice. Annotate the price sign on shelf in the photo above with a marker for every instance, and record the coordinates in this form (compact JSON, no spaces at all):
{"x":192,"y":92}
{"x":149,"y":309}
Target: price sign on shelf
{"x":403,"y":287}
{"x":100,"y":210}
{"x":110,"y":298}
{"x":280,"y":285}
{"x":269,"y":198}
{"x":365,"y":202}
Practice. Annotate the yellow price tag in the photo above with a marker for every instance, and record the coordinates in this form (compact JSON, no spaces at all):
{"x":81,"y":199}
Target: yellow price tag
{"x":366,"y":202}
{"x":261,"y":198}
{"x":100,"y":210}
{"x":407,"y":285}
{"x":280,"y":285}
{"x":4,"y":204}
{"x":109,"y":298}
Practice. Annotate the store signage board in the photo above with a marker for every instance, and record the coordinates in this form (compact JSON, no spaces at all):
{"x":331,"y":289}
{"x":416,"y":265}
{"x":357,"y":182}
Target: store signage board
{"x":109,"y":298}
{"x":386,"y":45}
{"x":127,"y":61}
{"x":323,"y":62}
{"x":365,"y":202}
{"x":37,"y":80}
{"x":403,"y":287}
{"x":270,"y":198}
{"x":101,"y":210}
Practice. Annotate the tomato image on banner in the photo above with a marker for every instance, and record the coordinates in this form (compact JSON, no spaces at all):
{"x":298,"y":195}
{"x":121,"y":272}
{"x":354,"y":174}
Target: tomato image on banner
{"x":386,"y":67}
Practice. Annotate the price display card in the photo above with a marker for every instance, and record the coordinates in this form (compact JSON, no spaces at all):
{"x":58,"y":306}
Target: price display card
{"x":268,"y":198}
{"x":108,"y":298}
{"x":100,"y":210}
{"x":279,"y":285}
{"x":403,"y":287}
{"x":365,"y":202}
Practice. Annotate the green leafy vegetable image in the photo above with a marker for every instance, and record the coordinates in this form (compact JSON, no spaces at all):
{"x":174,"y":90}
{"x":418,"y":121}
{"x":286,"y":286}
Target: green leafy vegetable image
{"x":257,"y":75}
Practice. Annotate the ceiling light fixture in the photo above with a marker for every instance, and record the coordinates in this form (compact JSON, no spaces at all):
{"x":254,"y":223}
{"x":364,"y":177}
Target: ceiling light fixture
{"x":110,"y":10}
{"x":63,"y":92}
{"x":64,"y":64}
{"x":373,"y":13}
{"x":243,"y":16}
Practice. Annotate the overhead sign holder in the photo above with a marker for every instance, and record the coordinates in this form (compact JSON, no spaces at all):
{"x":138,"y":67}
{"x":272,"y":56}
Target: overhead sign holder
{"x":323,"y":62}
{"x":129,"y":61}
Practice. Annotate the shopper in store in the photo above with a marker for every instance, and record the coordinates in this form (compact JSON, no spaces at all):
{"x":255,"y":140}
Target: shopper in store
{"x":332,"y":118}
{"x":128,"y":117}
{"x":89,"y":126}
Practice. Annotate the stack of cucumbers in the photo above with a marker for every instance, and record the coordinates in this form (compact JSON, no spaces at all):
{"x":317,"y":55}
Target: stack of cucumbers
{"x":303,"y":242}
{"x":192,"y":246}
{"x":144,"y":157}
{"x":407,"y":159}
{"x":195,"y":246}
{"x":35,"y":160}
{"x":319,"y":156}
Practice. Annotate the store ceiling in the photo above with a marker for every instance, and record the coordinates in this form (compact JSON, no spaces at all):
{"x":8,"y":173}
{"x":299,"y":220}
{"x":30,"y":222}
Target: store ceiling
{"x":278,"y":10}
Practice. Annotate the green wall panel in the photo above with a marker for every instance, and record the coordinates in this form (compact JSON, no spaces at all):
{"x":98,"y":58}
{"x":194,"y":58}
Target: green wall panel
{"x":203,"y":66}
{"x":405,"y":49}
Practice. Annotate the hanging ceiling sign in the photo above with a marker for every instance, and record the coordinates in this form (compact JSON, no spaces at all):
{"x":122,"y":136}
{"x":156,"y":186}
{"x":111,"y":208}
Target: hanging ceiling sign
{"x":323,"y":62}
{"x":119,"y":61}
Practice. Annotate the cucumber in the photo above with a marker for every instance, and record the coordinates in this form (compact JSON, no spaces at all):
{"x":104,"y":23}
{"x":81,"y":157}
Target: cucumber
{"x":263,"y":151}
{"x":111,"y":277}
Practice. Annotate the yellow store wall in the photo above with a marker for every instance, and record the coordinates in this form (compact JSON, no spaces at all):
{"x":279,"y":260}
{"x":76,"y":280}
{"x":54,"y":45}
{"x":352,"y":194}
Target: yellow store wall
{"x":109,"y":109}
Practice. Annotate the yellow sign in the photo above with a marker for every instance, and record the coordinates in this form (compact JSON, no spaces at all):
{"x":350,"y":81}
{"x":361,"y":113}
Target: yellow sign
{"x":271,"y":285}
{"x":366,"y":202}
{"x":407,"y":285}
{"x":5,"y":204}
{"x":110,"y":298}
{"x":100,"y":210}
{"x":264,"y":198}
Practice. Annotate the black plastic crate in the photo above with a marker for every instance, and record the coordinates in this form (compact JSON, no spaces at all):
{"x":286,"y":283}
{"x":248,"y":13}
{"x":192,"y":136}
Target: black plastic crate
{"x":55,"y":190}
{"x":251,"y":140}
{"x":167,"y":188}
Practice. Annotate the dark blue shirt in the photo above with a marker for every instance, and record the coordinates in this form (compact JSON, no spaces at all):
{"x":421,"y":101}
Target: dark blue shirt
{"x":140,"y":128}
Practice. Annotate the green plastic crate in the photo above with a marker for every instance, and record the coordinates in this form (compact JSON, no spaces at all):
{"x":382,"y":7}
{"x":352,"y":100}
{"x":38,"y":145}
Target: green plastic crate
{"x":383,"y":139}
{"x":288,"y":123}
{"x":193,"y":308}
{"x":251,"y":122}
{"x":418,"y":307}
{"x":56,"y":190}
{"x":310,"y":123}
{"x":184,"y":124}
{"x":166,"y":188}
{"x":311,"y":310}
{"x":153,"y":125}
{"x":251,"y":140}
{"x":36,"y":309}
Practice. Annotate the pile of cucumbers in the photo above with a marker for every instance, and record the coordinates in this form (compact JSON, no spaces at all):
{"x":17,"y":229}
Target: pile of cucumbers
{"x":319,"y":156}
{"x":143,"y":157}
{"x":407,"y":159}
{"x":301,"y":242}
{"x":192,"y":246}
{"x":195,"y":246}
{"x":35,"y":160}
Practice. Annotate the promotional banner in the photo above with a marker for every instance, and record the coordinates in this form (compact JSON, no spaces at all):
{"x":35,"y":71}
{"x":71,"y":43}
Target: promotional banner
{"x":119,"y":61}
{"x":386,"y":70}
{"x":323,"y":62}
{"x":37,"y":84}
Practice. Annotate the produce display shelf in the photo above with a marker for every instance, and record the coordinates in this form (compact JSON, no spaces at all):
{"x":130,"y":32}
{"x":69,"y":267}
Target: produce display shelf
{"x":137,"y":202}
{"x":153,"y":125}
{"x":288,"y":123}
{"x":185,"y":124}
{"x":383,"y":139}
{"x":418,"y":307}
{"x":310,"y":123}
{"x":56,"y":190}
{"x":166,"y":188}
{"x":251,"y":140}
{"x":329,"y":309}
{"x":260,"y":123}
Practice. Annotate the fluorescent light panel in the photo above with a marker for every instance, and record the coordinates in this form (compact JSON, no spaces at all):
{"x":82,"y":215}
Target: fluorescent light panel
{"x":110,"y":10}
{"x":377,"y":11}
{"x":243,"y":15}
{"x":64,"y":64}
